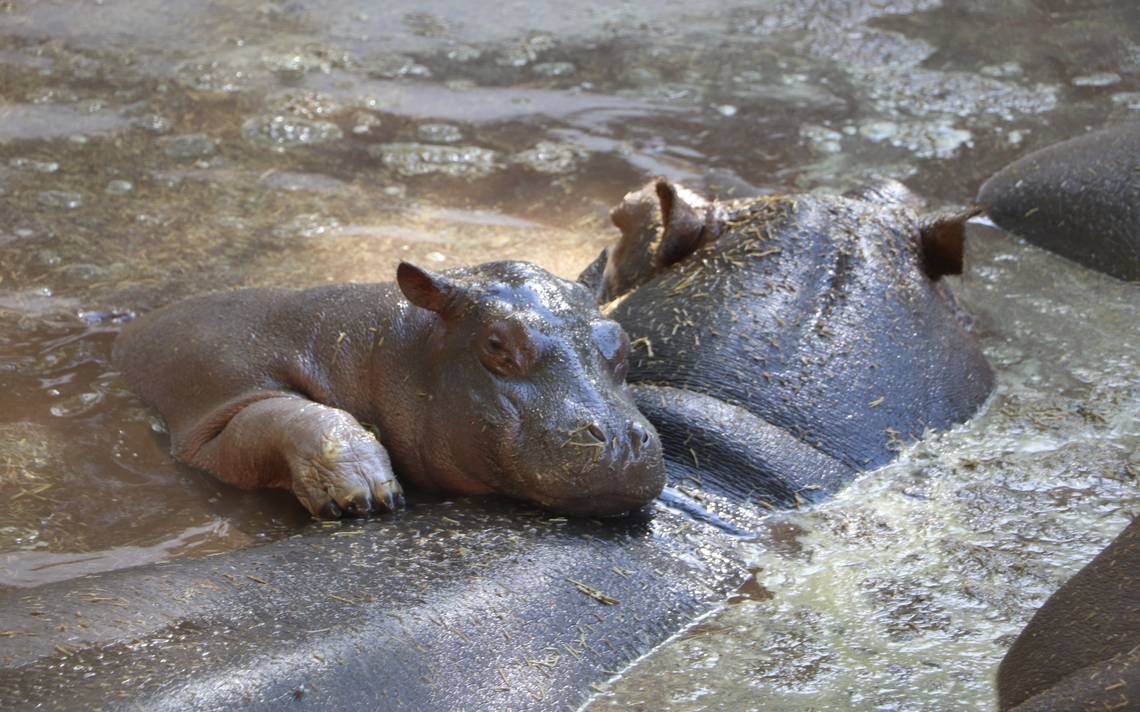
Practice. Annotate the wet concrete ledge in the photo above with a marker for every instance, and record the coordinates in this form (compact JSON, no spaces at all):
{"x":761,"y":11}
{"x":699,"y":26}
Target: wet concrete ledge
{"x":467,"y":605}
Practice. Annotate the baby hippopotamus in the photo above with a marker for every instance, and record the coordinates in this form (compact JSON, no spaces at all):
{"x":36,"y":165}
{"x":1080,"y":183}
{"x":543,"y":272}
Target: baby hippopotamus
{"x":496,"y":378}
{"x":783,"y":343}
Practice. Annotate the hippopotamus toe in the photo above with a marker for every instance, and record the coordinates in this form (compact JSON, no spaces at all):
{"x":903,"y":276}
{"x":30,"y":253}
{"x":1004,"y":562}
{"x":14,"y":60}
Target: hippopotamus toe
{"x":348,"y":476}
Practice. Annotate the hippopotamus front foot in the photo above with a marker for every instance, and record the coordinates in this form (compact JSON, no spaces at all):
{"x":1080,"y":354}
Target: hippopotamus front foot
{"x":325,"y":456}
{"x":342,"y":468}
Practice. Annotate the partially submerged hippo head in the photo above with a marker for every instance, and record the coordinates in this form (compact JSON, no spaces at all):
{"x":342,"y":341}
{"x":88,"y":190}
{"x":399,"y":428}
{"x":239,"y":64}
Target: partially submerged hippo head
{"x":785,"y":342}
{"x":524,"y":392}
{"x":664,"y":223}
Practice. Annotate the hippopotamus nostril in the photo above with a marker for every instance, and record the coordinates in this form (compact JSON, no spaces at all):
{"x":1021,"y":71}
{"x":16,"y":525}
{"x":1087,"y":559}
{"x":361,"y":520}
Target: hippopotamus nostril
{"x":639,"y":436}
{"x":596,"y":432}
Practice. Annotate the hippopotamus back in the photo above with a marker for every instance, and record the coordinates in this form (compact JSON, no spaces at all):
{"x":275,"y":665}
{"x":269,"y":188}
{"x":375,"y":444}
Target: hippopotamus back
{"x":822,"y":316}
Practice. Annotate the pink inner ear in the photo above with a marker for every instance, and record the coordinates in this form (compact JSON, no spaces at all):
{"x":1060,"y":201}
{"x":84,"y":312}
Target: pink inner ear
{"x":682,"y":224}
{"x":424,"y":289}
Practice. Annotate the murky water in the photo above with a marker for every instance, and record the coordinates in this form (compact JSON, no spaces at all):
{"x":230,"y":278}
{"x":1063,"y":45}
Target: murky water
{"x":151,"y":150}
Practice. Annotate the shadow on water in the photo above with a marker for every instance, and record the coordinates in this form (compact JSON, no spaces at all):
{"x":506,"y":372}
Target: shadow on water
{"x":154,"y":150}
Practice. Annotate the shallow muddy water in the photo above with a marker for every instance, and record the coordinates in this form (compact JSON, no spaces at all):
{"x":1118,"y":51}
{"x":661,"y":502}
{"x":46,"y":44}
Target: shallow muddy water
{"x":153,"y":150}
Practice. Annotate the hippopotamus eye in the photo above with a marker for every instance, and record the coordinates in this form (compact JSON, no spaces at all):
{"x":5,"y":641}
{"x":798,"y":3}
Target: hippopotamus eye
{"x":507,"y":350}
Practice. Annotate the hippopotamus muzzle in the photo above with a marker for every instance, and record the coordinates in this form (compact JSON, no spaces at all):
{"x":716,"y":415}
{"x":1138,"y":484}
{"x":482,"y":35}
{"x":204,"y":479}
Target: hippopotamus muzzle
{"x":557,"y":424}
{"x":619,"y":469}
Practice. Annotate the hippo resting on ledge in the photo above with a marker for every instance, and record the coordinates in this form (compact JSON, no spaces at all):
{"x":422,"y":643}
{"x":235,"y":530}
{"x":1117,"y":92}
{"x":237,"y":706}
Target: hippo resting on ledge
{"x":787,"y":342}
{"x":494,"y":378}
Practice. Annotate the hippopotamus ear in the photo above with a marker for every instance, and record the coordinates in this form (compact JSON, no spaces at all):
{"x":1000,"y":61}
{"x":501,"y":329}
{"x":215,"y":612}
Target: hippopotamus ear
{"x":661,"y":224}
{"x":942,"y":241}
{"x":593,"y":277}
{"x":426,"y":289}
{"x":684,"y":222}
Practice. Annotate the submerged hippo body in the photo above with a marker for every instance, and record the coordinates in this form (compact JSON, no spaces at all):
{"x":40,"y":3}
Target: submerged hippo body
{"x":1079,"y":198}
{"x":495,"y":378}
{"x":790,"y":341}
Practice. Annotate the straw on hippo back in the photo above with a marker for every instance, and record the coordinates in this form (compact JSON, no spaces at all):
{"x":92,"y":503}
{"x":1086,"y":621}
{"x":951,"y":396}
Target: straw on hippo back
{"x":787,"y":342}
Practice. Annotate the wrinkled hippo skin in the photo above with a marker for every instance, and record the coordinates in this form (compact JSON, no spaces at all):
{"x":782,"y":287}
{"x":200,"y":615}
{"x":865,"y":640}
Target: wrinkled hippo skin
{"x":495,"y":378}
{"x":787,"y":342}
{"x":471,"y":605}
{"x":1079,"y":198}
{"x":1081,"y":650}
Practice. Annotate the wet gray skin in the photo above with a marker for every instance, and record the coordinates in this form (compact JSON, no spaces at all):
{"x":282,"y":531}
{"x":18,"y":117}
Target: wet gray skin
{"x":497,"y":378}
{"x":1082,"y":648}
{"x":151,"y":151}
{"x":1079,"y":198}
{"x":823,"y":322}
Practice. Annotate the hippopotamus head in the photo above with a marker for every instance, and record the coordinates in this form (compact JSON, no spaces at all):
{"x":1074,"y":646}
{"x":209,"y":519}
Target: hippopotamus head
{"x":664,"y":223}
{"x":525,"y":381}
{"x":660,"y":225}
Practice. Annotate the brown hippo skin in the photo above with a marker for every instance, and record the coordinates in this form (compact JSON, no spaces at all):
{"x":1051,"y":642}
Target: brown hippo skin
{"x":1081,"y":650}
{"x":495,"y":378}
{"x":787,"y":342}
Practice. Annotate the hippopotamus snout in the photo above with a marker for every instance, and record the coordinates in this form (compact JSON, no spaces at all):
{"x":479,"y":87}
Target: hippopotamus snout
{"x":627,"y":474}
{"x":618,"y":465}
{"x":625,"y":445}
{"x":637,"y":441}
{"x":635,"y":436}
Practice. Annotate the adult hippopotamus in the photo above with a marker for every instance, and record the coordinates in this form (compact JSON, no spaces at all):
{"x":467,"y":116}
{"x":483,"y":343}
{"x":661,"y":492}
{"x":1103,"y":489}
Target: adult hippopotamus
{"x":495,"y":378}
{"x":788,"y":341}
{"x":1079,"y":198}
